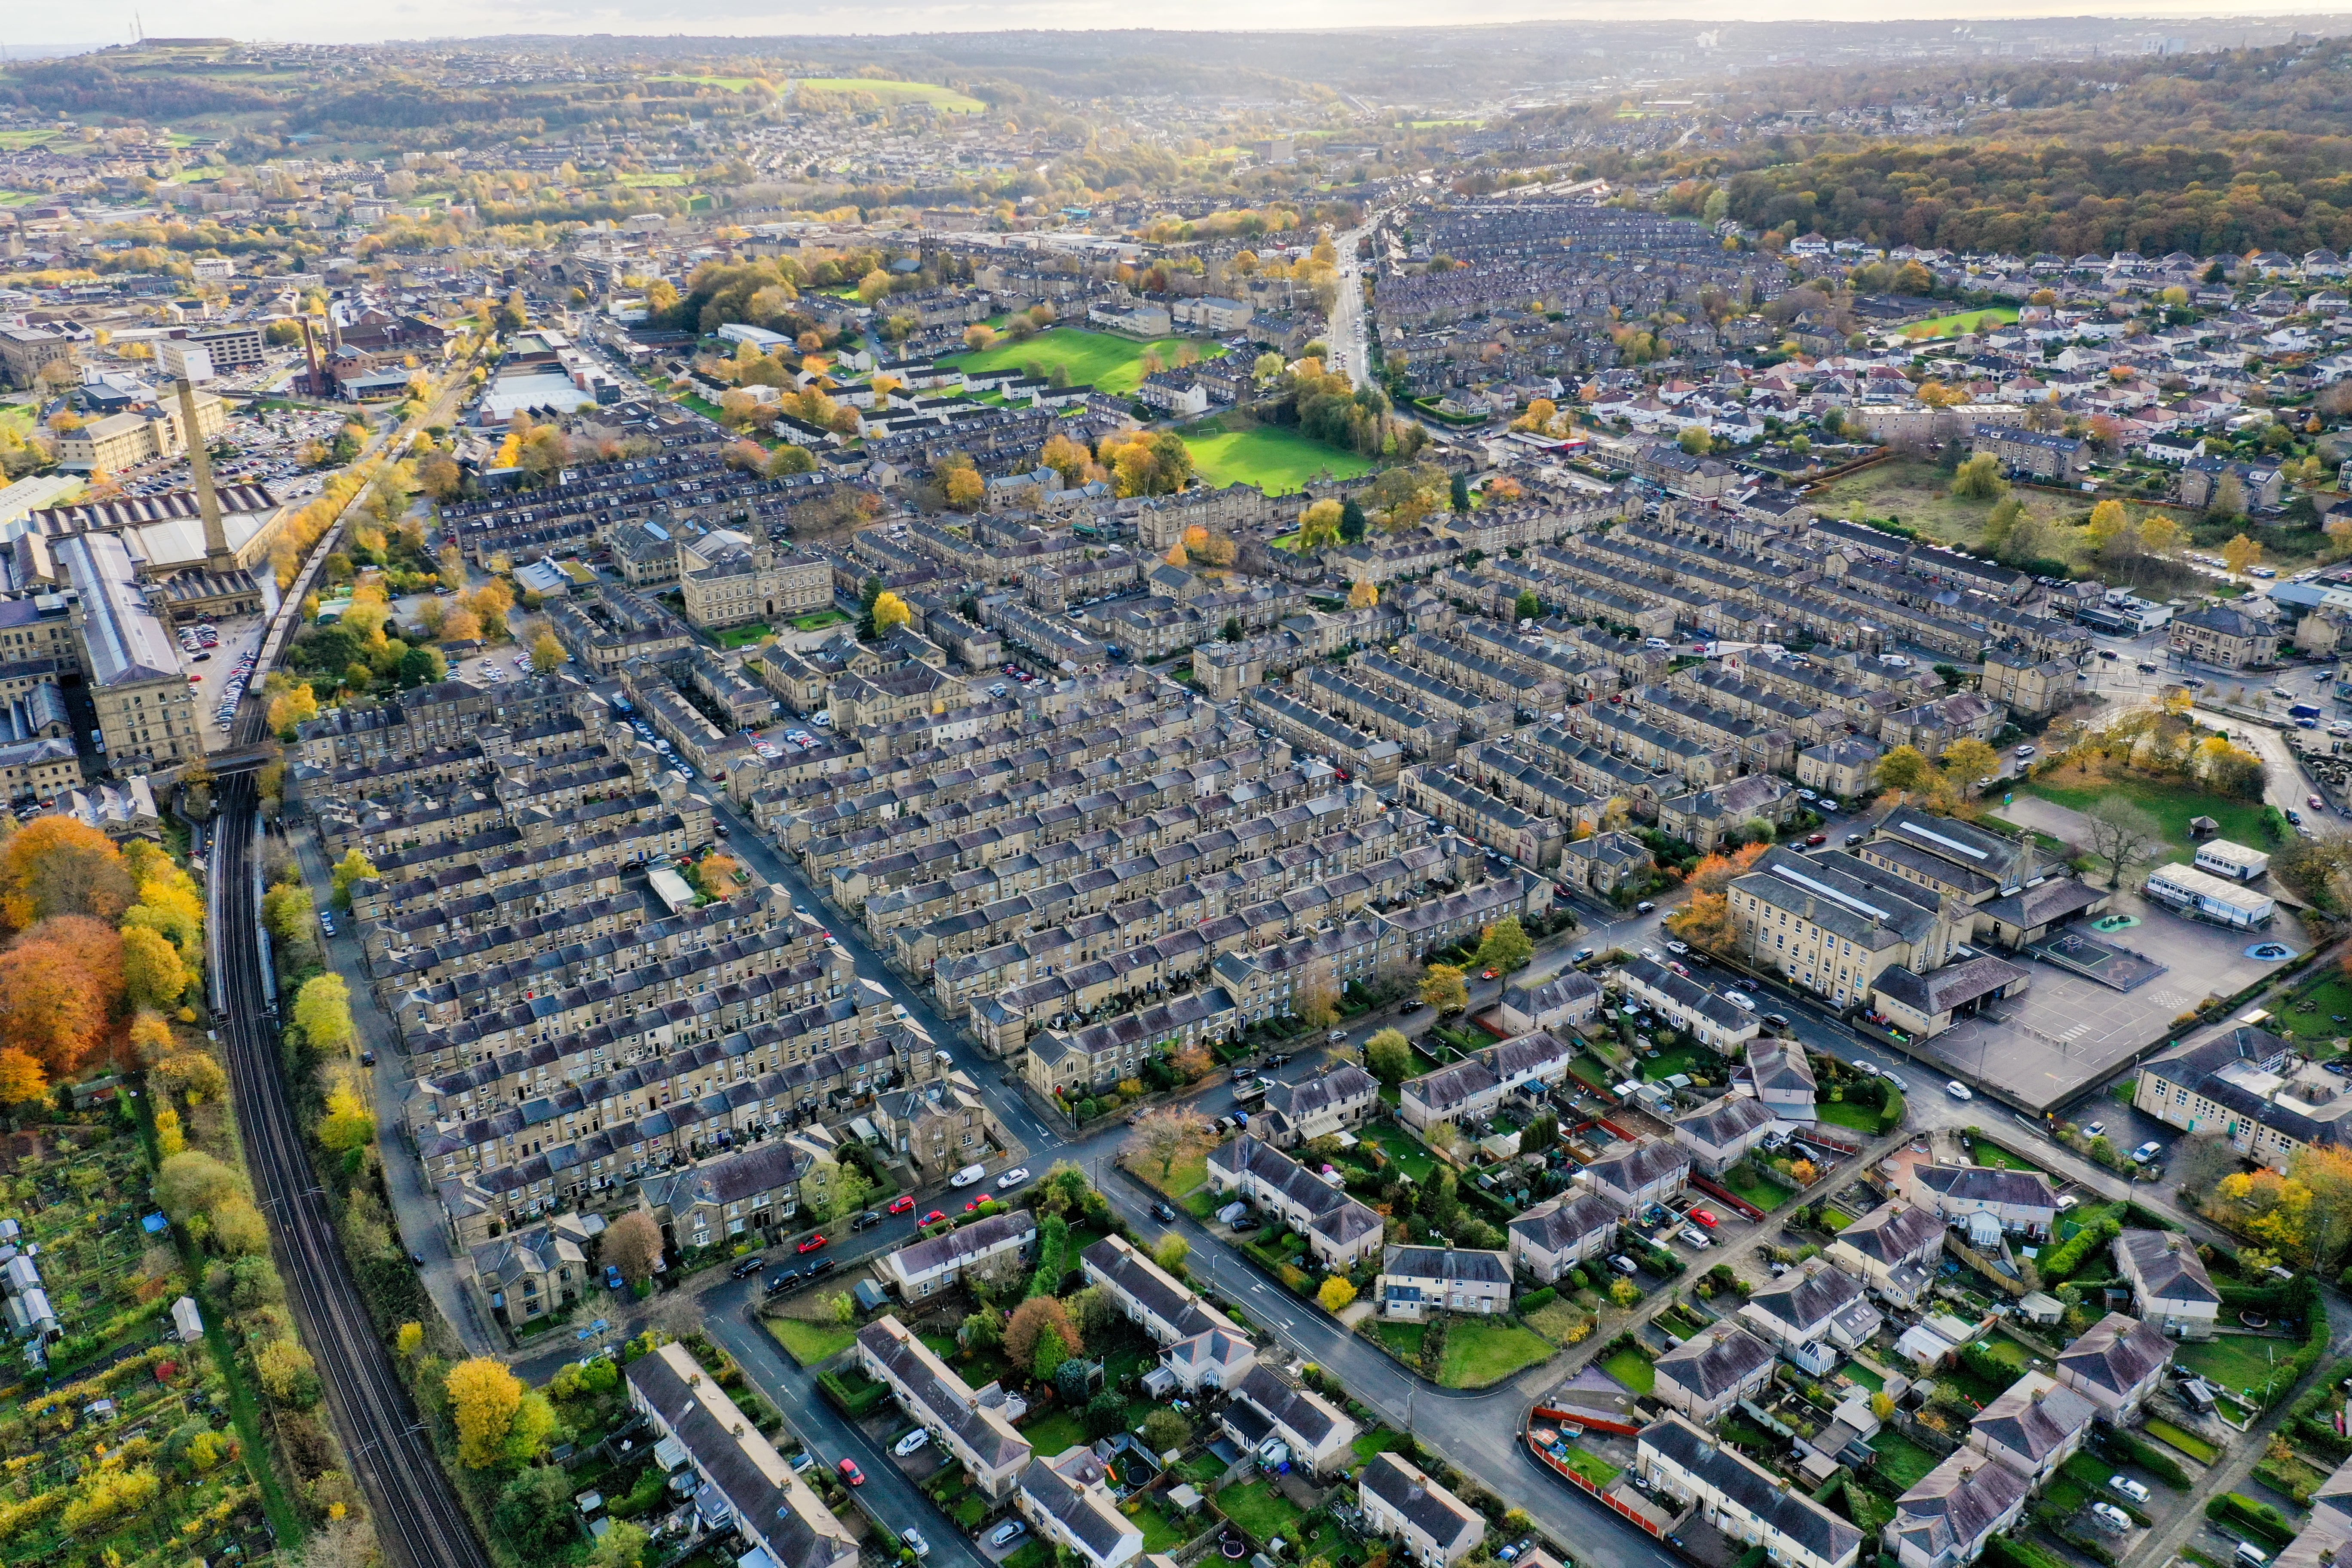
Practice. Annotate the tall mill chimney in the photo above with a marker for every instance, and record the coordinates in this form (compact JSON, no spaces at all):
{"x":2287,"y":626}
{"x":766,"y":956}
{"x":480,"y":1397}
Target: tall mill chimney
{"x":218,"y":557}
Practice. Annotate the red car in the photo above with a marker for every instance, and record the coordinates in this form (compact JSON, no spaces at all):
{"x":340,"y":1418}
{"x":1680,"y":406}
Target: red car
{"x":1816,"y":840}
{"x":1489,"y":973}
{"x":1704,"y":1217}
{"x":904,"y":1202}
{"x":812,"y":1244}
{"x":973,"y":1204}
{"x":934,"y":1218}
{"x":851,"y":1473}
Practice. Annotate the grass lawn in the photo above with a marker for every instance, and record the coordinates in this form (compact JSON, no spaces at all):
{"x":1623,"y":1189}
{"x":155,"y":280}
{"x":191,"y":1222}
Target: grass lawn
{"x":1101,"y":360}
{"x":1903,"y":1462}
{"x":1592,"y":1467}
{"x":1263,"y":1512}
{"x":1633,"y":1369}
{"x":1380,"y":1440}
{"x":1696,"y":1060}
{"x":1479,"y":1353}
{"x":1056,"y":1433}
{"x":1916,"y":496}
{"x":742,"y":636}
{"x":2313,"y":1012}
{"x":1756,"y":1186}
{"x":1862,"y":1374}
{"x":1182,"y":1177}
{"x":2188,"y":1443}
{"x":820,"y":620}
{"x":1985,"y":1152}
{"x":646,"y":178}
{"x":1556,"y":1321}
{"x":2242,"y":1362}
{"x":1404,"y":1338}
{"x":809,"y":1343}
{"x":1962,"y":322}
{"x":2171,"y":804}
{"x":1404,"y":1151}
{"x":1843,"y":1113}
{"x":946,"y":97}
{"x":1274,"y":459}
{"x":731,"y":83}
{"x":1160,"y":1533}
{"x":1201,"y":1468}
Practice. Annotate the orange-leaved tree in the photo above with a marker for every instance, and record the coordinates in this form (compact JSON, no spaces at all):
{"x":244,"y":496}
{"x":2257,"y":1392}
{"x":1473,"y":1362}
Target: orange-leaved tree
{"x":62,"y":866}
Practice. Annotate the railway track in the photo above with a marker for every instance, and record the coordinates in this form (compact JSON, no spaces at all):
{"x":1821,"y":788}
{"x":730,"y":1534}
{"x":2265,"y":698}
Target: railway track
{"x":419,"y":1518}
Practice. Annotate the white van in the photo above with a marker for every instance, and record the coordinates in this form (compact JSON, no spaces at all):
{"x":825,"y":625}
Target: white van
{"x":2250,"y":1555}
{"x":968,"y":1176}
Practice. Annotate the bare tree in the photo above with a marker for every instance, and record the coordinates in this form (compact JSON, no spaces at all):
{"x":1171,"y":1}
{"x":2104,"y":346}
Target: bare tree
{"x":634,"y":1245}
{"x":2120,"y":833}
{"x":1166,"y":1136}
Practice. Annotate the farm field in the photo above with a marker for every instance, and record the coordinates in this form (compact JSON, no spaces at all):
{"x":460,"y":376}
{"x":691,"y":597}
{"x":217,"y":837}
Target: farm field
{"x":943,"y":97}
{"x":1099,"y":360}
{"x":731,"y":83}
{"x":1275,"y":461}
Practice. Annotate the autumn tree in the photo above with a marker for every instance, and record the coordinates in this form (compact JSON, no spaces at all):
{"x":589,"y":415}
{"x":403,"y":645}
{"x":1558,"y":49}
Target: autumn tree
{"x":354,"y":866}
{"x":2241,"y":553}
{"x":1503,"y":946}
{"x":1364,"y":594}
{"x":1336,"y":1293}
{"x":547,"y":653}
{"x":1318,"y":526}
{"x":51,"y":1008}
{"x":59,"y":865}
{"x":483,"y":1399}
{"x":1906,"y":772}
{"x":963,"y":488}
{"x":1979,"y":478}
{"x":1967,"y":760}
{"x":322,"y":1011}
{"x":1166,"y":1136}
{"x":1442,"y":987}
{"x":1035,"y":1318}
{"x":151,"y":970}
{"x":1705,"y":922}
{"x":2117,"y":831}
{"x":1717,"y":871}
{"x":889,"y":612}
{"x":2325,"y":1169}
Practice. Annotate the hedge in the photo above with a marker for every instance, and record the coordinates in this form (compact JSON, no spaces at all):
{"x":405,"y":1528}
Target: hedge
{"x":2311,"y":1420}
{"x":2141,"y":1217}
{"x":1890,"y":1112}
{"x":854,"y":1403}
{"x":2259,"y":1520}
{"x":2148,"y":1457}
{"x":2009,"y":1551}
{"x":1536,"y":1301}
{"x":2062,"y":1261}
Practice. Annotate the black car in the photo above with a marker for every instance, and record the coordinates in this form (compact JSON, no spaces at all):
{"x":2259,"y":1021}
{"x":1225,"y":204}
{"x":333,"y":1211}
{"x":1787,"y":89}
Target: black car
{"x":747,"y":1267}
{"x":1777,"y":1020}
{"x":822,"y":1265}
{"x":1163,"y":1214}
{"x":871,"y":1217}
{"x":782,"y":1281}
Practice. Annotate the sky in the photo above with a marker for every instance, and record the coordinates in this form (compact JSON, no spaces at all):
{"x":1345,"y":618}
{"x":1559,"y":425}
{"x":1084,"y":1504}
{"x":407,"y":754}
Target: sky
{"x":119,"y":21}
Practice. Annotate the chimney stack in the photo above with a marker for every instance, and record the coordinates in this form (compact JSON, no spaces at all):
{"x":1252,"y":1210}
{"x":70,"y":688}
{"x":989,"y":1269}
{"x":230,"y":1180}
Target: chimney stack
{"x":218,"y":556}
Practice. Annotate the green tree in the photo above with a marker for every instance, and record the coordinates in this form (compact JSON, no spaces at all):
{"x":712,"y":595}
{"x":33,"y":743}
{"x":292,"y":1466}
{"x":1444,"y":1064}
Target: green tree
{"x":1527,"y":607}
{"x":534,"y":1512}
{"x":1388,"y":1057}
{"x":1352,"y":522}
{"x":622,"y":1546}
{"x":1459,"y":494}
{"x":323,"y":1010}
{"x":1443,"y":987}
{"x":1906,"y":771}
{"x":422,"y":666}
{"x":1979,"y":478}
{"x":1503,"y":946}
{"x":1051,"y":1352}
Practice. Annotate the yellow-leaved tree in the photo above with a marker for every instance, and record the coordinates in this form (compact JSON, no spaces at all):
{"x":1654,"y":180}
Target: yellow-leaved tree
{"x":483,"y":1399}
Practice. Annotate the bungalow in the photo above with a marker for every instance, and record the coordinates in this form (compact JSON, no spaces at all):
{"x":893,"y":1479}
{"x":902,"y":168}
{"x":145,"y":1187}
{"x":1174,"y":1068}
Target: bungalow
{"x":997,"y":1244}
{"x":2023,"y":1200}
{"x":1781,"y":1078}
{"x":2169,"y":1286}
{"x":1299,"y":1113}
{"x":1812,"y":1315}
{"x":1893,"y":1250}
{"x":1945,"y":1521}
{"x":1436,"y":1528}
{"x":1263,"y":1408}
{"x":1741,"y":1498}
{"x":1712,"y":1370}
{"x":1560,"y":1233}
{"x":743,"y":1480}
{"x":1417,"y":1281}
{"x":1720,"y":1135}
{"x":1646,"y":1174}
{"x":979,"y":1435}
{"x":2033,"y":1428}
{"x":1339,"y":1231}
{"x":2117,"y":1366}
{"x":1066,"y":1501}
{"x":1478,"y":1084}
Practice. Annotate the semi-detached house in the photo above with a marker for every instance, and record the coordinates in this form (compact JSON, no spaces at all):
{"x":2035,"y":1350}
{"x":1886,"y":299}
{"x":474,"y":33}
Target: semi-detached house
{"x":976,"y":1433}
{"x":1436,"y":1528}
{"x":1743,"y":1500}
{"x":1478,"y":1085}
{"x":1339,"y":1231}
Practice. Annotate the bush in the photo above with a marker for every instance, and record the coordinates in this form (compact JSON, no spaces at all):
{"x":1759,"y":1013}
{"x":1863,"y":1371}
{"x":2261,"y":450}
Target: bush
{"x":1536,"y":1301}
{"x":853,"y":1393}
{"x":2062,"y":1260}
{"x":2259,"y":1520}
{"x":1890,"y":1114}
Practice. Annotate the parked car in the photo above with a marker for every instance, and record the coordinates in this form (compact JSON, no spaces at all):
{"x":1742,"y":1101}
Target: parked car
{"x":1645,"y":907}
{"x":1010,"y":1531}
{"x":911,"y":1441}
{"x":1740,"y":999}
{"x":1623,"y":1265}
{"x":822,"y":1265}
{"x":1013,"y":1178}
{"x":2094,"y":1130}
{"x":1163,"y":1213}
{"x":2136,"y":1490}
{"x":968,"y":1176}
{"x":2111,"y":1517}
{"x":870,"y":1217}
{"x":1695,"y":1236}
{"x":612,"y":1276}
{"x":2146,"y":1152}
{"x":934,"y":1218}
{"x":782,"y":1281}
{"x":904,"y":1202}
{"x":746,"y":1266}
{"x":915,"y":1542}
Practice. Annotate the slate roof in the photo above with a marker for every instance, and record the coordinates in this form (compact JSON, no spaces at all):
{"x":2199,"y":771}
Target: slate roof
{"x":1292,"y":1409}
{"x":1085,"y":1512}
{"x":2117,"y":1352}
{"x":1780,"y":1065}
{"x":1893,"y":1233}
{"x":1730,"y":1119}
{"x":1957,"y":1504}
{"x":1715,"y":1361}
{"x":1469,"y":1265}
{"x":1749,"y":1485}
{"x":966,"y":1243}
{"x":945,"y":1397}
{"x":1565,"y":1220}
{"x":1808,"y":1299}
{"x":1337,"y":1217}
{"x":1436,"y":1512}
{"x":1460,"y":1082}
{"x":2167,"y":1267}
{"x":2034,"y":1416}
{"x":1637,"y":1167}
{"x":1953,"y":985}
{"x":1986,"y":1185}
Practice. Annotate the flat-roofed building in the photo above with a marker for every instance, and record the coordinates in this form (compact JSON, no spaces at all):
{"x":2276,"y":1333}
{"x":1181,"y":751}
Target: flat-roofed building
{"x":2235,"y":861}
{"x":2218,"y":900}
